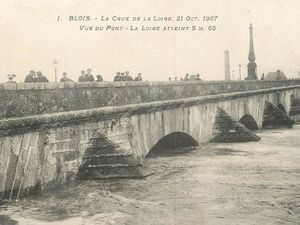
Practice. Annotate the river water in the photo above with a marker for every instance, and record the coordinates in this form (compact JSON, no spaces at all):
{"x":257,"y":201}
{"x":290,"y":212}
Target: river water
{"x":243,"y":183}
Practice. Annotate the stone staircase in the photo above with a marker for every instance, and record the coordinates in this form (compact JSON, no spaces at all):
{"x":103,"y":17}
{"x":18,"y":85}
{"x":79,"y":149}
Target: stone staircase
{"x":104,"y":159}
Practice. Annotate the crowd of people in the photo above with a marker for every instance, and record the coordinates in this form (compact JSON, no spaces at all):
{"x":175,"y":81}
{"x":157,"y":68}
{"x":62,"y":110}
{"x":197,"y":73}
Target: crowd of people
{"x":126,"y":77}
{"x":35,"y":77}
{"x":85,"y":76}
{"x":187,"y":77}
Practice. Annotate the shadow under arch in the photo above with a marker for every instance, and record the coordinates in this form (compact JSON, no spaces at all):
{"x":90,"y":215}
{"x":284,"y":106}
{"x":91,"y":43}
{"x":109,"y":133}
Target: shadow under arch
{"x":171,"y":142}
{"x":249,"y":122}
{"x":281,"y":107}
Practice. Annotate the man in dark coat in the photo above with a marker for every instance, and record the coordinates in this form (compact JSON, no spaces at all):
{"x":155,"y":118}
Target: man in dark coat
{"x":99,"y":78}
{"x":89,"y":75}
{"x":82,"y":77}
{"x":139,"y":77}
{"x":128,"y":77}
{"x":65,"y":78}
{"x":41,"y":78}
{"x":198,"y":77}
{"x":117,"y":77}
{"x":30,"y":78}
{"x":122,"y":77}
{"x":186,"y":77}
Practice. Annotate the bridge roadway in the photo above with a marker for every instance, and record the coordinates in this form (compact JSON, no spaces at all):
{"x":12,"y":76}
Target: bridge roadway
{"x":43,"y":145}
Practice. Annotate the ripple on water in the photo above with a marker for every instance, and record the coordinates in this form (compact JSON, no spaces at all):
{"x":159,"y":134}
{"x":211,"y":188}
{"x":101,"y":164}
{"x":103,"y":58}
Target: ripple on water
{"x":210,"y":184}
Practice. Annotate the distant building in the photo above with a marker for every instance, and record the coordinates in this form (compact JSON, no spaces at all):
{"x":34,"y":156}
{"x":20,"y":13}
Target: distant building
{"x":278,"y":75}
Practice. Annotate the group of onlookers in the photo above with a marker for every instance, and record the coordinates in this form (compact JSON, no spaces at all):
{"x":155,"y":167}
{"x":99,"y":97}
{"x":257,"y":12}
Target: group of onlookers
{"x":85,"y":76}
{"x":126,"y":77}
{"x":187,"y":77}
{"x":88,"y":77}
{"x":35,"y":77}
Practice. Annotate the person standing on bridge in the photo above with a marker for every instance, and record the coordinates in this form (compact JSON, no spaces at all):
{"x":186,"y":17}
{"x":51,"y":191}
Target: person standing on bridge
{"x":122,"y":77}
{"x":11,"y":78}
{"x":117,"y":77}
{"x":186,"y":77}
{"x":89,"y":75}
{"x":139,"y":77}
{"x":198,"y":77}
{"x":31,"y":77}
{"x":127,"y":76}
{"x":82,"y":77}
{"x":65,"y":78}
{"x":41,"y":78}
{"x":99,"y":78}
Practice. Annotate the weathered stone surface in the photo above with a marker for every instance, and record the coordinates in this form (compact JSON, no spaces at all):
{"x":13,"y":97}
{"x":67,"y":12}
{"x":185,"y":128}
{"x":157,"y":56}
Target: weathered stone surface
{"x":105,"y":159}
{"x":59,"y":142}
{"x":20,"y":125}
{"x":275,"y":117}
{"x":295,"y":106}
{"x":24,"y":99}
{"x":228,"y":130}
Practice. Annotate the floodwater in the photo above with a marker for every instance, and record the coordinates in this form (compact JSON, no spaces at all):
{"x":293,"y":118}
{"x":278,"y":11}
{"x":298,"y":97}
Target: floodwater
{"x":243,"y":183}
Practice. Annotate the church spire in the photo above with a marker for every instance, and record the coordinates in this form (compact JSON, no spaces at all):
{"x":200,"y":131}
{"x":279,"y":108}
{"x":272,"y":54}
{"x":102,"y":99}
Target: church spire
{"x":251,"y":57}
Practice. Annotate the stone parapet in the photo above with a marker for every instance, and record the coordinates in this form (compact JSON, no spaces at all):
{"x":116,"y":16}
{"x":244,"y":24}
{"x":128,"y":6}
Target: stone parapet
{"x":11,"y":126}
{"x":24,"y":99}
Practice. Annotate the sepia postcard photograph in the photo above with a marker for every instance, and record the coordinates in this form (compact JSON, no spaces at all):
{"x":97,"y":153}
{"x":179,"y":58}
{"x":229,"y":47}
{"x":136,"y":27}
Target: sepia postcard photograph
{"x":149,"y":112}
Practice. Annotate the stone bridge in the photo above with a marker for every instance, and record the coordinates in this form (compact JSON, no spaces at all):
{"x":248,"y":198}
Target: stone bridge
{"x":54,"y":132}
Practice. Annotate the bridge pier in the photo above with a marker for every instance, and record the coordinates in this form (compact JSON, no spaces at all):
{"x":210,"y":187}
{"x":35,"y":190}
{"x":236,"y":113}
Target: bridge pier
{"x":226,"y":129}
{"x":104,"y":159}
{"x":110,"y":139}
{"x":275,"y":117}
{"x":295,"y":105}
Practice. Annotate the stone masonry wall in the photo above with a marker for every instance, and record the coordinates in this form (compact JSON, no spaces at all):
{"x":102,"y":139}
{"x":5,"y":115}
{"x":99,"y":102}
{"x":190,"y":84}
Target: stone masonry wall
{"x":23,"y":99}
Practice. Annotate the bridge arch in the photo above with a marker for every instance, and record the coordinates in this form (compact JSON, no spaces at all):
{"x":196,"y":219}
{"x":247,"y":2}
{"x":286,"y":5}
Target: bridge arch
{"x":249,"y":122}
{"x":172,"y":141}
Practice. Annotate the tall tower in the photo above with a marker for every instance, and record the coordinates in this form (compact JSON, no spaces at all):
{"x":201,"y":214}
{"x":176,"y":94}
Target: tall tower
{"x":227,"y":66}
{"x":251,"y":57}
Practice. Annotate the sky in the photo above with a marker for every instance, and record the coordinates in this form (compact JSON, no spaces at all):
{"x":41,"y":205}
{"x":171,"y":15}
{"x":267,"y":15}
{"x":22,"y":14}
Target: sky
{"x":32,"y":38}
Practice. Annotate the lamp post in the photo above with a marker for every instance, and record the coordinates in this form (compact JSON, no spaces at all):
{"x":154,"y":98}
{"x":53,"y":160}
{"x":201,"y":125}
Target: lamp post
{"x":240,"y":73}
{"x":55,"y":69}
